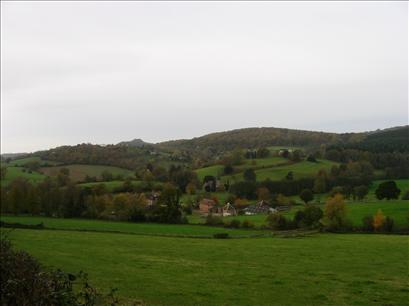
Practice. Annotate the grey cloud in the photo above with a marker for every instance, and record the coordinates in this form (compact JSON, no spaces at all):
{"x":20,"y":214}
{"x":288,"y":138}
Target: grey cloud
{"x":110,"y":71}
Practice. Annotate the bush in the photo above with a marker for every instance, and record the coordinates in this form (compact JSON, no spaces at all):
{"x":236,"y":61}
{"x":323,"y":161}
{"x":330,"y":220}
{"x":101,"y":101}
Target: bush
{"x":388,"y":190}
{"x":405,"y":195}
{"x":232,"y":223}
{"x":306,"y":195}
{"x":388,"y":225}
{"x":213,"y":220}
{"x":23,"y":281}
{"x":309,"y":217}
{"x":367,"y":224}
{"x":335,"y":214}
{"x":247,"y":224}
{"x":311,"y":158}
{"x":221,"y":235}
{"x":276,"y":221}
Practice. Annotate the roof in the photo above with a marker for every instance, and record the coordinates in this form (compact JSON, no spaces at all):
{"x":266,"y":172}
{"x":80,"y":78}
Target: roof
{"x":208,"y":202}
{"x":228,"y":206}
{"x":260,"y":207}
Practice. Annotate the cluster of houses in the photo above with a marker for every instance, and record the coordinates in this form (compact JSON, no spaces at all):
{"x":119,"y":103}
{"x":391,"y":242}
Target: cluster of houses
{"x":207,"y":206}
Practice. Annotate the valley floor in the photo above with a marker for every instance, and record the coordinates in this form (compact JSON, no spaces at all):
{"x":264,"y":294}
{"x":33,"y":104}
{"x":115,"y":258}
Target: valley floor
{"x":320,"y":269}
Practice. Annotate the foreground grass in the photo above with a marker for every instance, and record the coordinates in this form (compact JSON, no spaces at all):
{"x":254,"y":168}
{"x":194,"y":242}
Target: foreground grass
{"x":324,"y":269}
{"x":128,"y":227}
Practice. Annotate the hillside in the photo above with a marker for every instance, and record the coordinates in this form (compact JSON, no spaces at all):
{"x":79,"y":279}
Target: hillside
{"x":261,"y":137}
{"x":388,"y":140}
{"x":136,"y":143}
{"x":136,"y":154}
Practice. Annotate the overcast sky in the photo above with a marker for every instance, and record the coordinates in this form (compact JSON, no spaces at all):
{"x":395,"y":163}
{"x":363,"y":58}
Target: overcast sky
{"x":104,"y":72}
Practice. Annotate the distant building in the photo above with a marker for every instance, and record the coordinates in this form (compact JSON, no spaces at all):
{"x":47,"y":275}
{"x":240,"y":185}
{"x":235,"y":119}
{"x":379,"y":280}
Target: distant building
{"x":152,"y":199}
{"x":229,"y":210}
{"x":206,"y":206}
{"x":261,"y":207}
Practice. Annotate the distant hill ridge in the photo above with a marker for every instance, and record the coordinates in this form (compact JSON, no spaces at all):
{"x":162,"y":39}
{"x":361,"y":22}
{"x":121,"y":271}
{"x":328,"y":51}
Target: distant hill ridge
{"x":136,"y":143}
{"x":138,"y":153}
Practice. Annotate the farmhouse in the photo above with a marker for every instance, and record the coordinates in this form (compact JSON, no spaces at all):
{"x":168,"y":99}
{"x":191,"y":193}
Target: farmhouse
{"x":152,"y":199}
{"x":206,"y":206}
{"x":229,"y":210}
{"x":261,"y":207}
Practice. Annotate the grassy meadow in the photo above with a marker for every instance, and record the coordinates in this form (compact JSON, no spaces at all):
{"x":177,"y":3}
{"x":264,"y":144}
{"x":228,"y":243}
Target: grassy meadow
{"x":15,"y":172}
{"x":131,"y":228}
{"x":396,"y":209}
{"x":212,"y":170}
{"x":321,"y":269}
{"x":299,"y":169}
{"x":20,"y":162}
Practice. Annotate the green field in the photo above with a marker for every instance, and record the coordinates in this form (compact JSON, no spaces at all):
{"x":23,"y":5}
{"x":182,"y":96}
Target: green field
{"x":23,"y":161}
{"x":130,"y":228}
{"x":262,"y":163}
{"x":300,"y":169}
{"x":14,"y":172}
{"x":403,"y":185}
{"x":257,"y":163}
{"x":212,"y":170}
{"x":112,"y":185}
{"x":398,"y":210}
{"x":322,"y":269}
{"x":79,"y":172}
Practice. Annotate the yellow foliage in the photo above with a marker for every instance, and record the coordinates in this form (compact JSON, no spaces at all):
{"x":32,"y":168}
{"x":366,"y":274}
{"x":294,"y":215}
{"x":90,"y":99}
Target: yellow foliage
{"x":335,"y":212}
{"x":378,"y":220}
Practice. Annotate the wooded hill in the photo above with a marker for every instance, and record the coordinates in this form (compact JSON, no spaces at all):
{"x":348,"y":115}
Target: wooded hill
{"x":208,"y":148}
{"x":261,"y":137}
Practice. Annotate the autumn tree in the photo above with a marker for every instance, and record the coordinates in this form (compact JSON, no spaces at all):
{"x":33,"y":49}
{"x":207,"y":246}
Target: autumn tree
{"x":378,"y":220}
{"x":335,"y":213}
{"x":191,"y":188}
{"x":263,"y":193}
{"x":282,"y":200}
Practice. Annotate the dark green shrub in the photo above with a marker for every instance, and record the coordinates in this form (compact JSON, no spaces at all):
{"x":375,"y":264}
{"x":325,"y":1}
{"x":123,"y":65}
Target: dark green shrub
{"x":309,"y":216}
{"x":213,"y":220}
{"x":367,"y":223}
{"x":388,"y":224}
{"x":247,"y":224}
{"x":388,"y":190}
{"x":232,"y":223}
{"x":221,"y":235}
{"x":405,"y":195}
{"x":306,"y":195}
{"x":276,"y":221}
{"x":23,"y":281}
